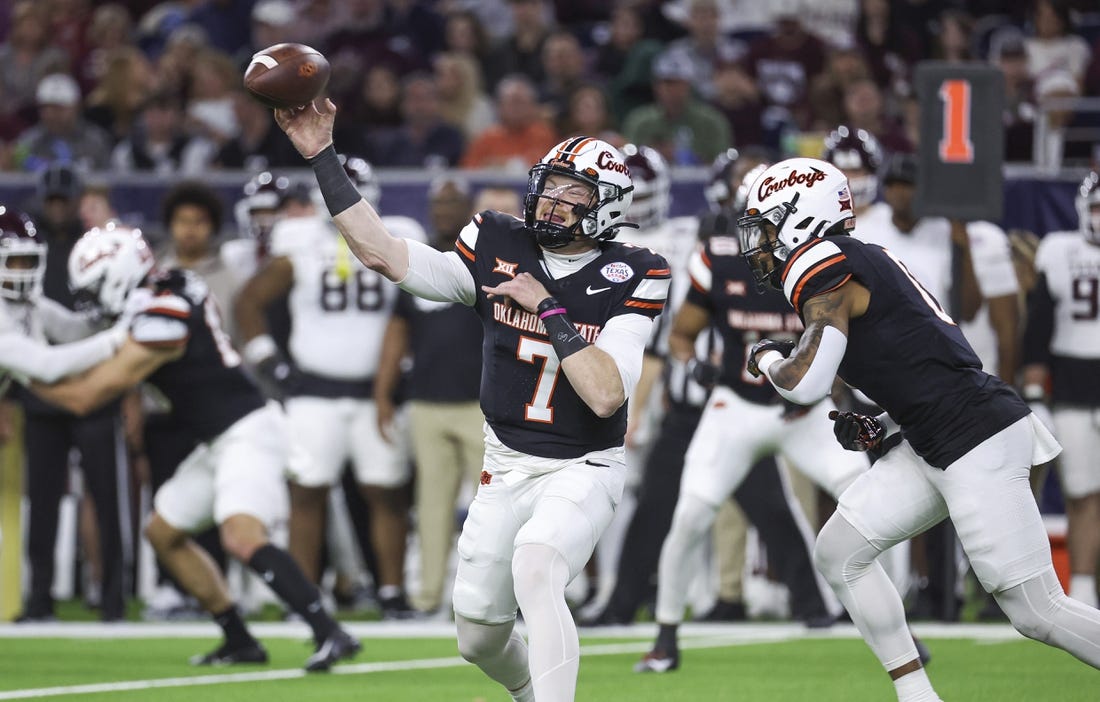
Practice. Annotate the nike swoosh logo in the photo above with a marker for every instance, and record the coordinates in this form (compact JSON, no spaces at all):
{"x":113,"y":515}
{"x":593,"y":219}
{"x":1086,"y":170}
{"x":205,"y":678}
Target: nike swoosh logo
{"x":590,"y":291}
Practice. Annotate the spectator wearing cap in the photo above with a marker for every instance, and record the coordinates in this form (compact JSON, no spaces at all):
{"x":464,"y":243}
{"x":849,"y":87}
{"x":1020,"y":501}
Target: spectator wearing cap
{"x":27,"y":56}
{"x":61,"y":136}
{"x":686,"y":130}
{"x":520,"y":137}
{"x":1052,"y":90}
{"x":705,"y":46}
{"x":424,"y":139}
{"x":444,"y":413}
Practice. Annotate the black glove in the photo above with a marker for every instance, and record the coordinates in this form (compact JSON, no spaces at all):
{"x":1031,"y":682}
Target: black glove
{"x":278,"y":377}
{"x":857,"y":432}
{"x":704,"y":372}
{"x":783,"y":347}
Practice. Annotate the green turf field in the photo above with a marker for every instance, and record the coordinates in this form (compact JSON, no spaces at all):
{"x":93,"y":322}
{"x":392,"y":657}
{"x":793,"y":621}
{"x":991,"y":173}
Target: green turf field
{"x":772,"y":664}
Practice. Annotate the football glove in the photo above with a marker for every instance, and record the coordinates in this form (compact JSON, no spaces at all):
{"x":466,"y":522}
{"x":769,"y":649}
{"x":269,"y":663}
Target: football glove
{"x":857,"y":432}
{"x":278,"y":377}
{"x":704,"y":373}
{"x":760,"y":347}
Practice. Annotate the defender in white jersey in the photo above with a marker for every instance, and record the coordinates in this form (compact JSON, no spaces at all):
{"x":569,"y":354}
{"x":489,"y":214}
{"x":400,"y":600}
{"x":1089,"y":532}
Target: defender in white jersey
{"x":1062,"y":366}
{"x":29,"y":321}
{"x":339,"y":309}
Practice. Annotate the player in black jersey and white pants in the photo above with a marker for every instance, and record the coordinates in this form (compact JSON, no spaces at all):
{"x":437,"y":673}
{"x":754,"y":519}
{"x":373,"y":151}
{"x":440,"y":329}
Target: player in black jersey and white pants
{"x":967,"y":440}
{"x":566,"y":315}
{"x":235,"y":476}
{"x":1062,"y":355}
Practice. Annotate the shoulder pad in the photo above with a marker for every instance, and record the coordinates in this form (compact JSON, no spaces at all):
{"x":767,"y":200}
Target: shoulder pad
{"x":813,"y":269}
{"x":699,"y":270}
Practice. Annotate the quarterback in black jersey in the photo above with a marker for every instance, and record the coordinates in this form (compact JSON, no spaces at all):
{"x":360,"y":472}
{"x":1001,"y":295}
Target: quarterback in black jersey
{"x":566,"y":313}
{"x":967,"y":441}
{"x":235,"y":477}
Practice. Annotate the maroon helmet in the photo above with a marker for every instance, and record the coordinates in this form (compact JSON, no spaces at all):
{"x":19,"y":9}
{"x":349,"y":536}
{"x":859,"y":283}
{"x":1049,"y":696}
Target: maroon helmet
{"x":652,"y":186}
{"x":22,"y":256}
{"x":858,"y":154}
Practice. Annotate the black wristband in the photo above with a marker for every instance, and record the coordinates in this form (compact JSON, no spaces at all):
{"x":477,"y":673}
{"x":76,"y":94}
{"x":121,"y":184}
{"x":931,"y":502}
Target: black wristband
{"x":336,"y":187}
{"x":549,"y":303}
{"x":563,"y":334}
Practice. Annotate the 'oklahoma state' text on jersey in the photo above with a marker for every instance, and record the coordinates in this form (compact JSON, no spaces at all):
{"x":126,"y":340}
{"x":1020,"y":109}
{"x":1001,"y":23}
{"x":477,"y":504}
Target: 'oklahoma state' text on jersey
{"x":722,"y":284}
{"x":526,"y":398}
{"x":206,"y":386}
{"x":905,"y":352}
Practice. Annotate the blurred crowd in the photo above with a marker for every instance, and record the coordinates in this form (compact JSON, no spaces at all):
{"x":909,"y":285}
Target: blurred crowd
{"x":156,"y":87}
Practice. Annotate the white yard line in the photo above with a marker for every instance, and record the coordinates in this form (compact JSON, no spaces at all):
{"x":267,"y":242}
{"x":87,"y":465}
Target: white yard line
{"x":694,"y":636}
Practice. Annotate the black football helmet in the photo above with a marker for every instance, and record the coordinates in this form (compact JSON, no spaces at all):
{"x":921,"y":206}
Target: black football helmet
{"x":1088,"y":207}
{"x":858,"y":154}
{"x":22,"y":256}
{"x":652,"y":186}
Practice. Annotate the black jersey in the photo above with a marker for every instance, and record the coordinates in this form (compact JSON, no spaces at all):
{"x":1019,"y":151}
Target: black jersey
{"x":905,"y":352}
{"x":526,"y":398}
{"x":206,"y":386}
{"x":449,"y":372}
{"x":723,"y":284}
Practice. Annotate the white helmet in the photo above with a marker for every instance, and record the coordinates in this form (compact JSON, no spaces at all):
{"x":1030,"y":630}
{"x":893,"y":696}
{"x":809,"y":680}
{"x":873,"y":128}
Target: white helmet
{"x":1088,"y":207}
{"x":106,"y":264}
{"x":652,"y":195}
{"x":595,"y":163}
{"x":20,"y":242}
{"x":790,"y":204}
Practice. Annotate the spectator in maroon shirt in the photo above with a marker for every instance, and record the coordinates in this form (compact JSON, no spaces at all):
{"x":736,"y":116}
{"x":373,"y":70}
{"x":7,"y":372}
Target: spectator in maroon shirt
{"x":783,"y":65}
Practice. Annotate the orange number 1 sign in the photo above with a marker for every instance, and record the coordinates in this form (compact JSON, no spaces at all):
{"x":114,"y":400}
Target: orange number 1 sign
{"x":955,"y":146}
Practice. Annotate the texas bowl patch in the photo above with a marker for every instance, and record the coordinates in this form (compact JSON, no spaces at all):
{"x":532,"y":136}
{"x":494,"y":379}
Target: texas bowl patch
{"x":617,"y":272}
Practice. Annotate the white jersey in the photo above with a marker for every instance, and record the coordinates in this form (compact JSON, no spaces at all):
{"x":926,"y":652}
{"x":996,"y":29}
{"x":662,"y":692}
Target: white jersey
{"x":1072,"y":269}
{"x":675,"y":239}
{"x":926,"y":252}
{"x":339,"y":308}
{"x":26,"y":330}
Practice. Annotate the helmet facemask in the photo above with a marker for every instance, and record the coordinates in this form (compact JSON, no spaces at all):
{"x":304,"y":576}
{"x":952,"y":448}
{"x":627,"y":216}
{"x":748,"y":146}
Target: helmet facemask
{"x":574,"y":196}
{"x":758,"y":233}
{"x":21,"y":271}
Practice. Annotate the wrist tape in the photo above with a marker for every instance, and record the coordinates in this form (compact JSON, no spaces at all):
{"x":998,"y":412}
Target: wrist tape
{"x":564,"y":336}
{"x":336,"y":187}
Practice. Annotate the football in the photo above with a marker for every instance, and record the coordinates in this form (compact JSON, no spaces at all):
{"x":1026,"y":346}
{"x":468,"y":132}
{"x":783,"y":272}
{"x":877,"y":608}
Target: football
{"x":287,"y":75}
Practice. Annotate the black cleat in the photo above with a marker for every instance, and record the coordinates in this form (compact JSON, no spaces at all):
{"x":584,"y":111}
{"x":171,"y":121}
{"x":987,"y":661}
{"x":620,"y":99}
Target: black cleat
{"x":725,"y":611}
{"x":338,"y":646}
{"x":657,"y":661}
{"x":251,"y":652}
{"x":397,"y":608}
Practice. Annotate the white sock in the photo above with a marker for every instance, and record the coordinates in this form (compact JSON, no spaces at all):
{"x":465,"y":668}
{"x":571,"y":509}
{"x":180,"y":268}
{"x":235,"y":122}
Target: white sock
{"x":915,"y":687}
{"x":1083,"y":589}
